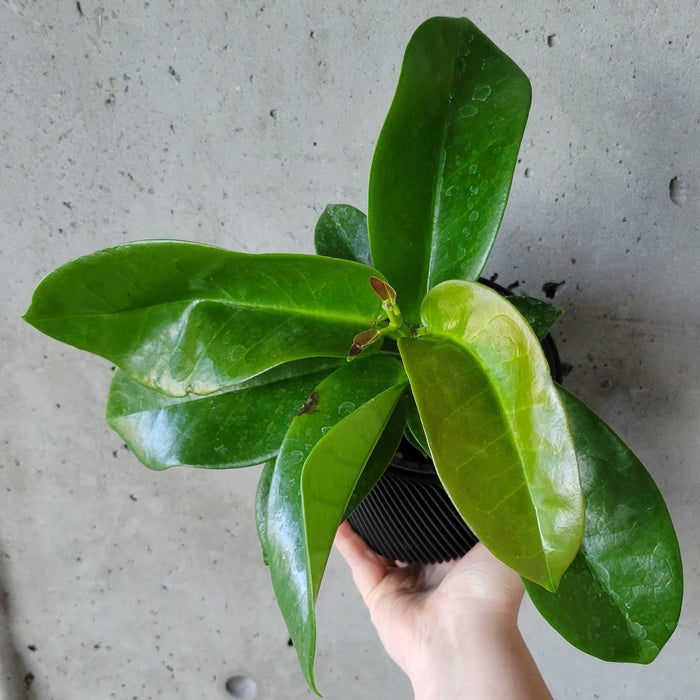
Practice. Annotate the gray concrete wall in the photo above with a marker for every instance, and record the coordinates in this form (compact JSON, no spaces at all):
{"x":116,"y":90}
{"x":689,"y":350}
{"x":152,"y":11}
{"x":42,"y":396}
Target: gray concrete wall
{"x":234,"y":123}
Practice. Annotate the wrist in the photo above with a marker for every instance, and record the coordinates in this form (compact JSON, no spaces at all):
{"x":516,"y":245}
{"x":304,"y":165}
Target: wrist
{"x":470,"y":661}
{"x":452,"y":648}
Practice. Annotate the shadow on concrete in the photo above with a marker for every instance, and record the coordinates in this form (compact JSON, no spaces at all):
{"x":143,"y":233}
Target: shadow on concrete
{"x":15,"y":677}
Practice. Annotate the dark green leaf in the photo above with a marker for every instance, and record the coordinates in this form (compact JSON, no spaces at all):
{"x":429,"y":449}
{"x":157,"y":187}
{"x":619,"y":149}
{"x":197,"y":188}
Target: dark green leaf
{"x":237,"y":427}
{"x":341,"y":232}
{"x":621,"y":598}
{"x":187,"y":318}
{"x":497,"y":429}
{"x":262,"y":496}
{"x":444,"y":160}
{"x":317,"y":469}
{"x":539,"y":314}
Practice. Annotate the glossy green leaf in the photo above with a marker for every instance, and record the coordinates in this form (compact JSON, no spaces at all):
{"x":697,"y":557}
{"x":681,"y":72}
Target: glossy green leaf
{"x":262,"y":496}
{"x":317,"y":469}
{"x":621,"y":598}
{"x":346,"y":450}
{"x":379,"y":460}
{"x":444,"y":161}
{"x":341,"y":232}
{"x":187,"y":318}
{"x":236,"y":427}
{"x":497,"y":429}
{"x":539,"y":314}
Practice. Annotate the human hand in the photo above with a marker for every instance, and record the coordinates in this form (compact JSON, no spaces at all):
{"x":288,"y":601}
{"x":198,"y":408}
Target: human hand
{"x":451,"y":627}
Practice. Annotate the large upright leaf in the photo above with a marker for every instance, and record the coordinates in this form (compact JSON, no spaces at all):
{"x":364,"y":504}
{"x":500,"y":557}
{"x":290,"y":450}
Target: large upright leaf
{"x":236,"y":427}
{"x":444,"y":160}
{"x":341,"y":232}
{"x":317,"y":469}
{"x":621,"y":597}
{"x":188,"y":318}
{"x":497,"y":429}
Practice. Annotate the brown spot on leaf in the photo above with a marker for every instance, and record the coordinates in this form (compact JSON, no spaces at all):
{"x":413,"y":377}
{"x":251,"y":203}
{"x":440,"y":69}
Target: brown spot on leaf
{"x":310,"y":404}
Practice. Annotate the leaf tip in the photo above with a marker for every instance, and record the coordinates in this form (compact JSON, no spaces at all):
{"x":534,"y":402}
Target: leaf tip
{"x":383,"y":289}
{"x":362,"y":340}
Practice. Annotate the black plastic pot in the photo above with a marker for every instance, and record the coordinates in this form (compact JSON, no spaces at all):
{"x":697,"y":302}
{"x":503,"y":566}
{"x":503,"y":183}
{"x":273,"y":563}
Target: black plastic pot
{"x":408,"y":516}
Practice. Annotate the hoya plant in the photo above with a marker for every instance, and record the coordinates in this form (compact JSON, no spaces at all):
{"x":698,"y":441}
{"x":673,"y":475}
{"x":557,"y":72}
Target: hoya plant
{"x":317,"y":365}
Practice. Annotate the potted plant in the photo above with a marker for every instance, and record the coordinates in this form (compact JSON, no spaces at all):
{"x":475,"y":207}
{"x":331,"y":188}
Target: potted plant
{"x":227,"y":359}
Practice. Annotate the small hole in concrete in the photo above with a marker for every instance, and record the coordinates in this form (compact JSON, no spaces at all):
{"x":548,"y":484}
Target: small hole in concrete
{"x":242,"y":687}
{"x":678,"y":191}
{"x":551,"y":40}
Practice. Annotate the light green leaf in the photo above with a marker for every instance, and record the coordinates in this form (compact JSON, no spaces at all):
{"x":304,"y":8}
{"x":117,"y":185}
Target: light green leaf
{"x":188,"y":318}
{"x":317,"y":470}
{"x":444,"y":161}
{"x":341,"y":232}
{"x":621,"y":597}
{"x":236,"y":427}
{"x":539,"y":314}
{"x":497,"y":429}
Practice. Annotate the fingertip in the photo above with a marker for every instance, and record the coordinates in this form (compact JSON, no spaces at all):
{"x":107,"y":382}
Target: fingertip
{"x":344,"y":538}
{"x":350,"y":544}
{"x":345,"y":529}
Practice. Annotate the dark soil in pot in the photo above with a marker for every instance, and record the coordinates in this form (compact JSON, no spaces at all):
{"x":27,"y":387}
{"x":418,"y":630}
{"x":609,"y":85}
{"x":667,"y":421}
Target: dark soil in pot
{"x":408,"y":516}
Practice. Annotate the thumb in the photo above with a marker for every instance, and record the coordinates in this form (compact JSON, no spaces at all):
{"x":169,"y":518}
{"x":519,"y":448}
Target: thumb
{"x":368,"y":568}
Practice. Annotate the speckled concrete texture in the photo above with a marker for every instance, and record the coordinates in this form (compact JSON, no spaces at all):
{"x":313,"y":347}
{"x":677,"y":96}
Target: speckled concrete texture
{"x":234,"y":123}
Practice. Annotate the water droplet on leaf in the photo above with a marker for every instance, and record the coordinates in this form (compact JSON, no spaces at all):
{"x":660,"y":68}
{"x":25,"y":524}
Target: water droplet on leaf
{"x":481,"y":93}
{"x":346,"y":408}
{"x":295,"y":456}
{"x":467,"y":111}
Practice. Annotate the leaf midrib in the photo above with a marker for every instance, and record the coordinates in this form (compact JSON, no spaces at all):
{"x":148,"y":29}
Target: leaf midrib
{"x":436,"y":200}
{"x":318,"y":312}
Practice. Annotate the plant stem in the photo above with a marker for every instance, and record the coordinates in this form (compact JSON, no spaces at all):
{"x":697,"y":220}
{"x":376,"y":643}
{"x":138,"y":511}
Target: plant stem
{"x":397,"y":327}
